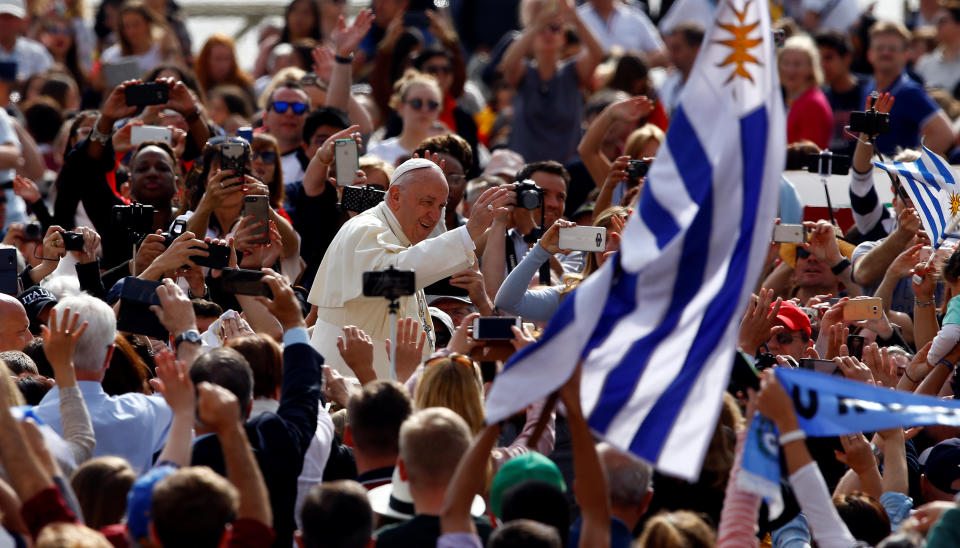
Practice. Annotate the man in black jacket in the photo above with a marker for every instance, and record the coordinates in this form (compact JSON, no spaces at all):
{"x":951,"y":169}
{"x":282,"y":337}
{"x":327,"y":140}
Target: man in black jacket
{"x":279,"y":439}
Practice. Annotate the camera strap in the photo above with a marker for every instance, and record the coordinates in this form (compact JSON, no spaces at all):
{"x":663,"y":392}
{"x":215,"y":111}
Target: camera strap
{"x":512,"y":262}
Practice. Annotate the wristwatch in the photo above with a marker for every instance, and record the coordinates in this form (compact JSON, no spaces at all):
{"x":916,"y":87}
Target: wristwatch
{"x":95,"y":134}
{"x":840,"y":267}
{"x":190,"y":335}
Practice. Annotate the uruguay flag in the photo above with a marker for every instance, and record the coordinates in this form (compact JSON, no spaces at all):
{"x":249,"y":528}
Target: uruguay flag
{"x":934,"y":192}
{"x":656,"y":326}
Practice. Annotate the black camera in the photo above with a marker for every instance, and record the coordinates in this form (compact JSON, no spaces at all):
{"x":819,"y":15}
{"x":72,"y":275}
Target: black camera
{"x":870,"y":122}
{"x":72,"y":241}
{"x":529,"y":195}
{"x":179,"y":227}
{"x":136,"y":219}
{"x":637,"y":169}
{"x":390,"y":283}
{"x":234,"y":156}
{"x":218,"y":256}
{"x":33,"y":231}
{"x":360,"y":199}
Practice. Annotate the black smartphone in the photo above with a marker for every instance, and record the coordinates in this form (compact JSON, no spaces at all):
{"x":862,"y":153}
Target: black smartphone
{"x":244,"y":282}
{"x":444,"y":288}
{"x":828,"y":164}
{"x":820,"y":366}
{"x":218,"y":258}
{"x":135,"y":316}
{"x":8,"y":71}
{"x":360,"y":199}
{"x":258,"y":205}
{"x":9,"y":281}
{"x":72,"y":241}
{"x":855,"y":346}
{"x":494,"y":328}
{"x":148,"y":93}
{"x":744,"y":374}
{"x":390,"y":283}
{"x":869,"y":122}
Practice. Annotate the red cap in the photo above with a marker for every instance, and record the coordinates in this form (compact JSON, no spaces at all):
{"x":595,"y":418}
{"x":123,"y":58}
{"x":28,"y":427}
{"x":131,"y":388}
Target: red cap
{"x":792,"y":317}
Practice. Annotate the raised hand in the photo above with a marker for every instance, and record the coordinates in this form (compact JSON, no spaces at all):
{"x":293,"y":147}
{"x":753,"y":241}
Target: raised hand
{"x":853,"y":369}
{"x":26,"y":189}
{"x":346,"y":39}
{"x":822,"y":242}
{"x":115,"y":107}
{"x":758,"y":321}
{"x":410,"y":341}
{"x":284,"y":304}
{"x":173,"y":381}
{"x":522,"y":337}
{"x":857,"y":453}
{"x":217,"y":407}
{"x":462,"y":342}
{"x":356,"y":349}
{"x":632,"y":109}
{"x":494,"y":201}
{"x":884,"y":103}
{"x":59,"y":340}
{"x":91,"y":241}
{"x":175,"y":311}
{"x":551,"y":238}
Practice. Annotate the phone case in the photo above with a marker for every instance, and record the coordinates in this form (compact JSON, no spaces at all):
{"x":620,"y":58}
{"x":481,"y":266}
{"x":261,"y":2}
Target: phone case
{"x":789,"y":234}
{"x":870,"y":308}
{"x":258,"y":206}
{"x":583,"y":238}
{"x":244,"y":282}
{"x":360,"y":199}
{"x":9,"y":281}
{"x":135,"y":315}
{"x":346,"y":160}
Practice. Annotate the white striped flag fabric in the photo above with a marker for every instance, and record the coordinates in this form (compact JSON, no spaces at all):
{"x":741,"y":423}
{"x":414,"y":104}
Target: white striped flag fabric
{"x":932,"y":188}
{"x":655,"y":326}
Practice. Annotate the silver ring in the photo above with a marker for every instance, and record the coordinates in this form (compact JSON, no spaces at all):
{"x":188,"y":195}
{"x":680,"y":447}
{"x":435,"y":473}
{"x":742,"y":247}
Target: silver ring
{"x":490,"y":207}
{"x":221,"y":185}
{"x":852,"y":437}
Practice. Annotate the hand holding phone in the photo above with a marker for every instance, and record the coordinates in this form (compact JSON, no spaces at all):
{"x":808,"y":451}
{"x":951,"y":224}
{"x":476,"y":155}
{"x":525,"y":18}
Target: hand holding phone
{"x":863,"y":308}
{"x":258,"y":206}
{"x":146,"y":94}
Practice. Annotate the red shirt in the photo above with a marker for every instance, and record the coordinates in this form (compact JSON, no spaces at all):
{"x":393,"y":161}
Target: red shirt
{"x":810,"y":118}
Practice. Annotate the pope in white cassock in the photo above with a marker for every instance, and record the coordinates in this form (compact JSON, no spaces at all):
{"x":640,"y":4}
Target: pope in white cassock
{"x":405,"y":231}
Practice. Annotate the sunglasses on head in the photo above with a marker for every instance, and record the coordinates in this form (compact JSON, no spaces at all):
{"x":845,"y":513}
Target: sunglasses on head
{"x":267,"y":156}
{"x":419,"y":104}
{"x":282,"y":106}
{"x":455,"y":357}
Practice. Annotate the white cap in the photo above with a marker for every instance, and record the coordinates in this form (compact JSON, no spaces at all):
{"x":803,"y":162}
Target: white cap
{"x":409,"y":165}
{"x":13,"y":7}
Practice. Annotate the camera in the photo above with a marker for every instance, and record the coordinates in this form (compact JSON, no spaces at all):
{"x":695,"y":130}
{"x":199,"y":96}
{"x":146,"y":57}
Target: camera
{"x":72,"y":241}
{"x":33,"y":231}
{"x":637,"y":169}
{"x":179,"y":227}
{"x":529,"y":195}
{"x":870,"y":122}
{"x":136,"y":219}
{"x":149,"y":93}
{"x":390,"y":283}
{"x":234,"y":155}
{"x":360,"y":199}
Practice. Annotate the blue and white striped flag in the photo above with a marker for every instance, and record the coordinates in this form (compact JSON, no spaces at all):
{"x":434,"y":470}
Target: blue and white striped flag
{"x":656,"y":326}
{"x":932,"y":187}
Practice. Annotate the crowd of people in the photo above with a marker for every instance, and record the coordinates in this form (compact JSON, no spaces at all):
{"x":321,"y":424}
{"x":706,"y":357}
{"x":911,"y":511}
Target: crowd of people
{"x":209,"y":329}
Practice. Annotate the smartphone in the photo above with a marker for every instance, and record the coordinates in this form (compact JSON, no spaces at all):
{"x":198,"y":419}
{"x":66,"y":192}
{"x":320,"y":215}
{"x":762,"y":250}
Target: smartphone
{"x":789,"y":234}
{"x":855,"y":346}
{"x":812,"y":314}
{"x":218,"y":258}
{"x":258,"y":205}
{"x":148,"y":93}
{"x":234,"y":156}
{"x":390,"y":283}
{"x":347,"y":161}
{"x":360,"y":198}
{"x":8,"y":71}
{"x":121,"y":70}
{"x":863,"y":308}
{"x":245,"y":133}
{"x":9,"y":281}
{"x":583,"y":238}
{"x":244,"y":282}
{"x":828,"y":164}
{"x":821,"y":366}
{"x":494,"y":328}
{"x":135,"y":316}
{"x":142,"y":134}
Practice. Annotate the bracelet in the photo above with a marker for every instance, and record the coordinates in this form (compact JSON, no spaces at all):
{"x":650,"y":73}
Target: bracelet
{"x":792,"y":436}
{"x":906,"y":373}
{"x":924,"y":303}
{"x":840,"y":267}
{"x":193,"y":116}
{"x":945,"y":362}
{"x":95,"y":134}
{"x":343,"y":60}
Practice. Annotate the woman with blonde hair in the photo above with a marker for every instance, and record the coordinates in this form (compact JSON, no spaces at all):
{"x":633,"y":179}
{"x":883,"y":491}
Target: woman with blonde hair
{"x":809,"y":115}
{"x":680,"y":529}
{"x":416,"y":99}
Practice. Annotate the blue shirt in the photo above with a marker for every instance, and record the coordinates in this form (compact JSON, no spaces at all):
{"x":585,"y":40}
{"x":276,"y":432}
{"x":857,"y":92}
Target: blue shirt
{"x":132,"y":426}
{"x":912,"y":108}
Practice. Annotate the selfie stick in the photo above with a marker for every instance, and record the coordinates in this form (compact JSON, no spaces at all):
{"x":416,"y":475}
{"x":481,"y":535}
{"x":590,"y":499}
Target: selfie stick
{"x":393,"y":307}
{"x":824,"y":173}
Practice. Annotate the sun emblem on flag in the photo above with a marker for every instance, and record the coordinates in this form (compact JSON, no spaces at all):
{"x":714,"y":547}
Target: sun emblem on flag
{"x":740,"y":43}
{"x":954,"y":203}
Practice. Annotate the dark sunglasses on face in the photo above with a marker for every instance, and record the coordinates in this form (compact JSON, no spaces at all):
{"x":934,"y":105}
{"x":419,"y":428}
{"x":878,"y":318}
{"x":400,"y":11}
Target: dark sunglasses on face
{"x":419,"y":104}
{"x":785,"y":338}
{"x":281,"y":107}
{"x":266,"y":156}
{"x":802,"y":253}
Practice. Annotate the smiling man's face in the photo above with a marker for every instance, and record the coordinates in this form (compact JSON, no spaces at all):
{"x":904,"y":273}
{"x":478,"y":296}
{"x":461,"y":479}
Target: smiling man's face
{"x":418,"y":203}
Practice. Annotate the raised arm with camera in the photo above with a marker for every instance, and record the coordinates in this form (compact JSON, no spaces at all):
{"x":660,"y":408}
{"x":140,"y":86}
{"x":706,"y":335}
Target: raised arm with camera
{"x":872,"y":218}
{"x":515,"y":298}
{"x":628,"y":111}
{"x":178,"y":255}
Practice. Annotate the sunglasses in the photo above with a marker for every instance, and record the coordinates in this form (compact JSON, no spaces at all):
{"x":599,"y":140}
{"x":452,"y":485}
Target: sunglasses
{"x":266,"y":156}
{"x":419,"y":104}
{"x":281,"y":107}
{"x":438,"y":69}
{"x":802,"y":253}
{"x":455,"y":357}
{"x":58,"y":30}
{"x":784,"y":338}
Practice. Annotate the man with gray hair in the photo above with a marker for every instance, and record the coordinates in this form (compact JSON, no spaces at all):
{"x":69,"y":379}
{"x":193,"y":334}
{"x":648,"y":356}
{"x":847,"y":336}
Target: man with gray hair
{"x":404,"y":231}
{"x":132,"y":426}
{"x":630,"y":481}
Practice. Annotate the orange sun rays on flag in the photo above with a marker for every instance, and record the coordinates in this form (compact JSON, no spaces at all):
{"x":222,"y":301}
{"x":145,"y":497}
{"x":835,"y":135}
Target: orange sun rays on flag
{"x":740,"y":43}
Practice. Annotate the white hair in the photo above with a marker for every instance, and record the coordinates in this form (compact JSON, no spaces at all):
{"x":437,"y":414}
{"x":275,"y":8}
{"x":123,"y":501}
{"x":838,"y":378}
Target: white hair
{"x":629,"y":478}
{"x":91,"y":350}
{"x":62,"y":286}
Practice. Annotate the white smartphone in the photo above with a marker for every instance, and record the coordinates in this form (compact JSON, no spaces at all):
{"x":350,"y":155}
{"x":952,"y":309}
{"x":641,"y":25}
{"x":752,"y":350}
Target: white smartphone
{"x":347,"y":160}
{"x":142,"y":134}
{"x":583,"y":238}
{"x":789,"y":234}
{"x":494,"y":328}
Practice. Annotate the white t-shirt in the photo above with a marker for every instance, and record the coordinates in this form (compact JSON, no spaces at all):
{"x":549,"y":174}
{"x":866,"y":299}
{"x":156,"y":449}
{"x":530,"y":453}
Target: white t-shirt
{"x":31,"y":57}
{"x":627,"y":27}
{"x":292,"y":169}
{"x":938,"y":72}
{"x":389,"y":150}
{"x":837,"y":15}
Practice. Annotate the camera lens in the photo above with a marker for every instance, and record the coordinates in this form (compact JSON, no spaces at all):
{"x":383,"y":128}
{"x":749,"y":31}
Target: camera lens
{"x":529,"y":199}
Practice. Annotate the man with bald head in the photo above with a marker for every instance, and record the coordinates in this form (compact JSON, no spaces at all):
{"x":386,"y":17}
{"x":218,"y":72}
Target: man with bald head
{"x":14,"y":324}
{"x":405,"y":231}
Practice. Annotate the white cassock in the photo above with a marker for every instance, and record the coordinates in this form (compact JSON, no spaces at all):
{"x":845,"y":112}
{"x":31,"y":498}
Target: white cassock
{"x":374,"y":240}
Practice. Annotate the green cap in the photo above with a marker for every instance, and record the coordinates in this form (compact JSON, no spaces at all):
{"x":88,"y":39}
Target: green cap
{"x":525,"y":467}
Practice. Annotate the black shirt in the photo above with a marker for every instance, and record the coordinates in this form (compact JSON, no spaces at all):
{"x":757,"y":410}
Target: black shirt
{"x":421,"y":530}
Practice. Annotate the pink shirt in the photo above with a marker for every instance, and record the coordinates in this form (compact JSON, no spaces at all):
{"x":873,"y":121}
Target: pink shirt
{"x":811,"y":118}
